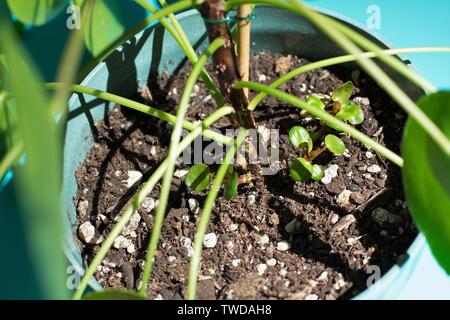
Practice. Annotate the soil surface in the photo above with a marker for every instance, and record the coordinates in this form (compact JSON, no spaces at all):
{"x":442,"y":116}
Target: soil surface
{"x":334,"y":232}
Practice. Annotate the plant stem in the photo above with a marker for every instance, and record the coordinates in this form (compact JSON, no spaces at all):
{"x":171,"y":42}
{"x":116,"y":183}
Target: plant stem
{"x":171,"y":158}
{"x":334,"y":61}
{"x":394,"y":63}
{"x":213,"y":135}
{"x":226,"y":63}
{"x":383,"y":80}
{"x":141,"y":195}
{"x":66,"y":73}
{"x":11,"y":156}
{"x":206,"y":213}
{"x":369,"y":66}
{"x":176,"y":7}
{"x":243,"y":42}
{"x":327,"y":118}
{"x":175,"y":29}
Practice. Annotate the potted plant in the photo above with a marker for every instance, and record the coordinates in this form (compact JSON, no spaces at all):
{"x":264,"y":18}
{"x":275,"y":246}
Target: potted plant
{"x":304,"y":218}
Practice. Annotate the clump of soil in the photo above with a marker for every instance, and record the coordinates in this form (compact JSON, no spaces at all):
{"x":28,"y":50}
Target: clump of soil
{"x":277,"y":239}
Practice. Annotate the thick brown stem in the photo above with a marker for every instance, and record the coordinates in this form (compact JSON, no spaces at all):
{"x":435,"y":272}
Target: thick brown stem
{"x":226,"y":63}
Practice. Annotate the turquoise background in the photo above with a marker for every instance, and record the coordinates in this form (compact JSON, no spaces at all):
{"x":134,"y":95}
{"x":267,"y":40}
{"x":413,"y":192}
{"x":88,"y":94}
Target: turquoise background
{"x":403,"y":24}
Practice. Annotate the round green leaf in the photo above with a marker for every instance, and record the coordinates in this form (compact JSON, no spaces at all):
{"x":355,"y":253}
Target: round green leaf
{"x":101,"y":23}
{"x":113,"y":295}
{"x":334,"y":144}
{"x":317,"y":172}
{"x":343,"y":92}
{"x":351,"y":112}
{"x":231,"y":188}
{"x":36,"y":12}
{"x":198,"y":177}
{"x":426,"y":177}
{"x":300,"y":137}
{"x":315,"y":102}
{"x":300,"y":169}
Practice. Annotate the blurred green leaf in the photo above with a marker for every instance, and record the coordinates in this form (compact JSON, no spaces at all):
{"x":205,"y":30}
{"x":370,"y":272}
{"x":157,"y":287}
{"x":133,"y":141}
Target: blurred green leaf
{"x":40,"y":178}
{"x":343,"y":92}
{"x":426,"y":177}
{"x":9,"y":135}
{"x":317,"y":172}
{"x":113,"y":295}
{"x":231,"y":188}
{"x":36,"y":12}
{"x":300,"y":169}
{"x":300,"y":138}
{"x":198,"y":177}
{"x":101,"y":23}
{"x":351,"y":112}
{"x":334,"y":144}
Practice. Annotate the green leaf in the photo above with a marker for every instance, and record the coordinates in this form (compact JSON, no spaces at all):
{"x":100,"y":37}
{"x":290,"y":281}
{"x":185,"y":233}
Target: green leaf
{"x":39,"y":179}
{"x":198,"y":177}
{"x":343,"y":92}
{"x":36,"y":12}
{"x":426,"y":177}
{"x":351,"y":112}
{"x":317,"y":172}
{"x":231,"y":188}
{"x":101,"y":23}
{"x":300,"y":137}
{"x":334,"y":144}
{"x":300,"y":169}
{"x":315,"y":102}
{"x":113,"y":295}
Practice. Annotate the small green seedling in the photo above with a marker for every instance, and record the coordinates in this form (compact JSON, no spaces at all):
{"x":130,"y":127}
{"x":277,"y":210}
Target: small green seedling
{"x":343,"y":107}
{"x":343,"y":92}
{"x":198,"y":177}
{"x":315,"y":102}
{"x":302,"y":170}
{"x":231,"y":187}
{"x":334,"y":144}
{"x":300,"y":138}
{"x":350,"y":112}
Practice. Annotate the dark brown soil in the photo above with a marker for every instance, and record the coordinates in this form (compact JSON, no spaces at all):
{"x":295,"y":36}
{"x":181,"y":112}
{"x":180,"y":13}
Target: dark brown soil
{"x":330,"y":250}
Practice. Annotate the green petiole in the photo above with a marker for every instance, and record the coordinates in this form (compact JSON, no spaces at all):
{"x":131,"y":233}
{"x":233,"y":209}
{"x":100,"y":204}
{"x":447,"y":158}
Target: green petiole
{"x":139,"y":107}
{"x":206,"y":213}
{"x":325,"y":116}
{"x":172,"y":155}
{"x":140,"y":196}
{"x":338,"y":60}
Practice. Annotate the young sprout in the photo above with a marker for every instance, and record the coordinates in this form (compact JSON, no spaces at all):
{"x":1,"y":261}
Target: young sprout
{"x":198,"y":177}
{"x":317,"y":172}
{"x":302,"y":170}
{"x":300,"y":138}
{"x":343,"y":107}
{"x":334,"y":144}
{"x":231,"y":188}
{"x":343,"y":92}
{"x":315,"y":102}
{"x":350,"y":112}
